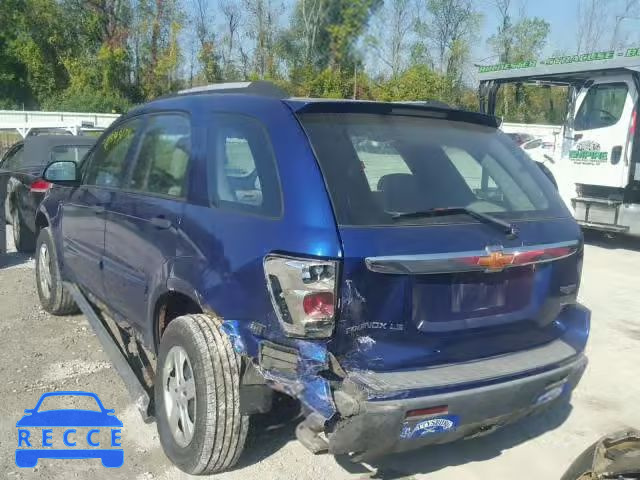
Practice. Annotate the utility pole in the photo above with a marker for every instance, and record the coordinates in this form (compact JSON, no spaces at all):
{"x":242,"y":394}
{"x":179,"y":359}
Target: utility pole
{"x":355,"y":81}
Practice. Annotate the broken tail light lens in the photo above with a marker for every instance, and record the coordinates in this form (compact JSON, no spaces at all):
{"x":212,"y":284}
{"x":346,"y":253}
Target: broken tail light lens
{"x":303,"y":294}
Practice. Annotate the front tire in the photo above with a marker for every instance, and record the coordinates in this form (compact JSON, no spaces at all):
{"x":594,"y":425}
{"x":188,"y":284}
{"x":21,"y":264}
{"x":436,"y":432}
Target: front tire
{"x":197,"y":396}
{"x":54,"y":298}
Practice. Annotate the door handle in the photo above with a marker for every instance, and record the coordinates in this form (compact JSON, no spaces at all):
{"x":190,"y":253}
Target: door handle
{"x":161,"y":223}
{"x":616,"y":155}
{"x":578,"y":136}
{"x":97,"y":209}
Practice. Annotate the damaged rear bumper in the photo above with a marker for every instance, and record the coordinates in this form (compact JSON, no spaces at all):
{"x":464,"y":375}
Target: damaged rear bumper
{"x":370,"y":428}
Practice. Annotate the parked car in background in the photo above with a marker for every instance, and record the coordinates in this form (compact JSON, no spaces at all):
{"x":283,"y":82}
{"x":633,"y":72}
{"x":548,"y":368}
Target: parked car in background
{"x":21,"y":169}
{"x":520,"y":138}
{"x":540,"y":149}
{"x":404,"y":271}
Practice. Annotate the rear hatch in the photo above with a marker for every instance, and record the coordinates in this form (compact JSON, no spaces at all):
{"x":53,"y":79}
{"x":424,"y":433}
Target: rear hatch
{"x":456,"y":247}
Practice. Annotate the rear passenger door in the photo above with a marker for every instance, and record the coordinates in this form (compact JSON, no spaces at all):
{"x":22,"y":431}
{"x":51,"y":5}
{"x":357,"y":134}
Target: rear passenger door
{"x":83,"y":222}
{"x":143,"y":219}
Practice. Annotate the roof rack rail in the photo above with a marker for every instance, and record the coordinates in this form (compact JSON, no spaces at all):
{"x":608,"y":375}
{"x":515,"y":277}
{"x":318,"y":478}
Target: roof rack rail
{"x":259,"y":87}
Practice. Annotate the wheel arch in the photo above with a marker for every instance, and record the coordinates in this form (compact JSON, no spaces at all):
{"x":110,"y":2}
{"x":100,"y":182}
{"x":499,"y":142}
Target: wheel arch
{"x":42,"y":221}
{"x":169,"y":305}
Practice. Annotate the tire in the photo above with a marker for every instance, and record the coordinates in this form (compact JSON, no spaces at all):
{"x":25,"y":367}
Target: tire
{"x":55,"y":299}
{"x":218,"y":429}
{"x":23,"y":238}
{"x":581,"y":465}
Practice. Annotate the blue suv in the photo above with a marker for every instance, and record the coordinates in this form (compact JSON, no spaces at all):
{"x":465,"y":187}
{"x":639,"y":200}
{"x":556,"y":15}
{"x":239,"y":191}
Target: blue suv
{"x":403,"y":270}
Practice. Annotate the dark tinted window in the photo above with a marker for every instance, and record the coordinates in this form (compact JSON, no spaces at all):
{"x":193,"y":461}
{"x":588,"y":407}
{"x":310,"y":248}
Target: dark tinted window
{"x":379,"y":165}
{"x":602,"y":106}
{"x":243,"y":175}
{"x":73,"y":153}
{"x":107,"y":164}
{"x":161,"y":165}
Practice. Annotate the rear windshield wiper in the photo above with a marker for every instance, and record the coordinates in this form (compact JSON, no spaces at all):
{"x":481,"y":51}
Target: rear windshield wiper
{"x":509,"y":229}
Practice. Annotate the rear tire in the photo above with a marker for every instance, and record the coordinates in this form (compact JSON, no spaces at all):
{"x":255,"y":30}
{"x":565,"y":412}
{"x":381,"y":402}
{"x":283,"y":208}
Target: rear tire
{"x":198,"y":376}
{"x":54,"y":298}
{"x":23,"y":238}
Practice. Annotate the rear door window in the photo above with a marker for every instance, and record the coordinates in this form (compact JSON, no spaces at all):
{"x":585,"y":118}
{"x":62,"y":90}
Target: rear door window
{"x":163,"y":158}
{"x":107,"y":165}
{"x":242,"y":172}
{"x":379,"y":166}
{"x":602,"y":106}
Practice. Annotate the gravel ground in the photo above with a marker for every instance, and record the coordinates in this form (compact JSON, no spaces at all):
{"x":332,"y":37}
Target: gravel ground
{"x":41,"y":353}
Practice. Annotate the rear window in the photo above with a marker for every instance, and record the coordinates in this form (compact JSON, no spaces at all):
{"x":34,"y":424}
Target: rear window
{"x":74,"y":153}
{"x":378,"y":166}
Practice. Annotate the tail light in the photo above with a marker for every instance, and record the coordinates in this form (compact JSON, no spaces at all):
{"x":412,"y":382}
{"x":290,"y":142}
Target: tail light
{"x":303,"y":294}
{"x":634,"y":124}
{"x":40,"y":186}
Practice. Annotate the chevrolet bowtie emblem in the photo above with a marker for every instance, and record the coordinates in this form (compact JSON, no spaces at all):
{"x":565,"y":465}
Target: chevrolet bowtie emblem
{"x":496,"y":260}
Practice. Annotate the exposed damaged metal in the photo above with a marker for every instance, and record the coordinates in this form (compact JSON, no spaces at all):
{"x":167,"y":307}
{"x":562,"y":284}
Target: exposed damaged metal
{"x":305,"y":382}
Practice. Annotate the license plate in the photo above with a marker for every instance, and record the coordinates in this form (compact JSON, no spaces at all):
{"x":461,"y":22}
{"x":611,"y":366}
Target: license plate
{"x":475,"y":297}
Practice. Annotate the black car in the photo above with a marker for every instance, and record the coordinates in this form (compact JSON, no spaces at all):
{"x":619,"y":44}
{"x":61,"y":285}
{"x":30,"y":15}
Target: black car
{"x":20,"y":172}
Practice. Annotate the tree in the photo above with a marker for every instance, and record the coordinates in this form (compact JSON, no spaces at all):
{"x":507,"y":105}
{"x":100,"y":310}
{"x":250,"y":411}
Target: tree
{"x":346,"y":22}
{"x":502,"y":40}
{"x":523,"y":40}
{"x":262,"y":29}
{"x":389,"y":37}
{"x":232,"y":18}
{"x":159,"y":51}
{"x":14,"y":85}
{"x":451,"y":25}
{"x":590,"y":25}
{"x":517,"y":42}
{"x":208,"y":56}
{"x":311,"y":14}
{"x":416,"y":83}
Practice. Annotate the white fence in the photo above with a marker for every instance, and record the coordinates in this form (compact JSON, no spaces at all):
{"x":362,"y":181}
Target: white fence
{"x":537,"y":130}
{"x":25,"y":121}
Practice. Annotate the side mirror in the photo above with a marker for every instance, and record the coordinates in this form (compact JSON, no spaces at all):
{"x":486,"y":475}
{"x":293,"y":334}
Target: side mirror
{"x":28,"y":410}
{"x":63,"y":172}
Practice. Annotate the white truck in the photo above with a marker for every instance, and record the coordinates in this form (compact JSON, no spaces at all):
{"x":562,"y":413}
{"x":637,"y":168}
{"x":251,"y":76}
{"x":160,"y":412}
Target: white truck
{"x":597,"y":165}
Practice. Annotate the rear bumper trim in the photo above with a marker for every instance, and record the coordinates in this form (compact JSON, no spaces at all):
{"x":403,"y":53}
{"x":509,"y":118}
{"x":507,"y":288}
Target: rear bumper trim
{"x":376,"y":428}
{"x":385,"y":383}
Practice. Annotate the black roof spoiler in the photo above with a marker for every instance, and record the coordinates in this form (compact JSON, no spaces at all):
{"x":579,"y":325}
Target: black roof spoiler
{"x":409,"y":109}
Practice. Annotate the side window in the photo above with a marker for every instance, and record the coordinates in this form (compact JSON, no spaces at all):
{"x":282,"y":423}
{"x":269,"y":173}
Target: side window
{"x":106,"y":166}
{"x":15,"y":159}
{"x":243,"y":175}
{"x":602,"y":106}
{"x":163,"y":158}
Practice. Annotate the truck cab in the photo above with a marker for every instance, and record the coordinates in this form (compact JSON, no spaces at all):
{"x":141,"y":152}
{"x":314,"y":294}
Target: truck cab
{"x":595,"y":163}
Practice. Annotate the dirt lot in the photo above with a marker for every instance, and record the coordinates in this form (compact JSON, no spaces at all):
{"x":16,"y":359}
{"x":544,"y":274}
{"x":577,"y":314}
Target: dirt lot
{"x":41,"y":353}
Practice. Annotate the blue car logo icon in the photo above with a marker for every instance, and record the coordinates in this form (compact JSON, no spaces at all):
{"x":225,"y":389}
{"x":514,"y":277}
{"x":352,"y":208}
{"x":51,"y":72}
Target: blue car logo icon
{"x":99,"y":424}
